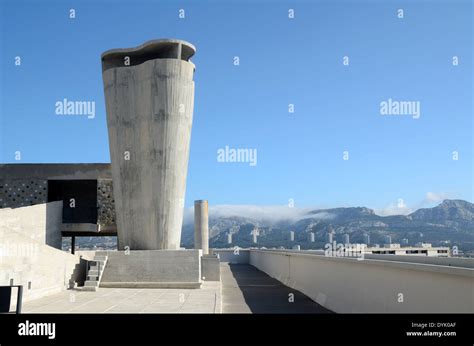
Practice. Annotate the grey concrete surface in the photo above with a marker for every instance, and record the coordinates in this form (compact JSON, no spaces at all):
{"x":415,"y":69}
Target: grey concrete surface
{"x":29,"y":254}
{"x":125,"y":300}
{"x":210,"y":268}
{"x":201,"y":226}
{"x":245,"y":289}
{"x":152,"y":268}
{"x":41,"y":223}
{"x":149,"y":105}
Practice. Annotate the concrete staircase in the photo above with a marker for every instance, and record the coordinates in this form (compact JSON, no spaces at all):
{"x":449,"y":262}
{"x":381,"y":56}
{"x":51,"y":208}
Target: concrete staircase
{"x":94,"y":274}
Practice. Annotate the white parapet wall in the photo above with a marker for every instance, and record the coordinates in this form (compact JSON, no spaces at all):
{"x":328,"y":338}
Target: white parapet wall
{"x":348,"y":285}
{"x":27,"y":255}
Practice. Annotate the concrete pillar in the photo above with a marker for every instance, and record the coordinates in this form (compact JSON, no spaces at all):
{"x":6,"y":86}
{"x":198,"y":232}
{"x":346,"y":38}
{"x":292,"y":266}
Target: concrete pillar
{"x":149,"y":94}
{"x":201,"y":226}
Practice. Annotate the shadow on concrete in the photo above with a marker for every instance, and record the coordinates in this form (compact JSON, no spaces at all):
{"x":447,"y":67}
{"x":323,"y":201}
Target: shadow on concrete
{"x":247,"y":289}
{"x":78,"y":276}
{"x":53,"y":222}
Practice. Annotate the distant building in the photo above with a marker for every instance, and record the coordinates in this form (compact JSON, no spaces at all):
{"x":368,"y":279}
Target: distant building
{"x":366,"y":238}
{"x":254,"y":237}
{"x":405,"y":241}
{"x":346,"y":239}
{"x":387,"y":239}
{"x":391,"y":245}
{"x":329,"y":237}
{"x":422,"y":249}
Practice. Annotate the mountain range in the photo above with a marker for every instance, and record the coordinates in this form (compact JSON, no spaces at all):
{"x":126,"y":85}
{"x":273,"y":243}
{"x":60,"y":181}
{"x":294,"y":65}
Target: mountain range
{"x":450,"y":223}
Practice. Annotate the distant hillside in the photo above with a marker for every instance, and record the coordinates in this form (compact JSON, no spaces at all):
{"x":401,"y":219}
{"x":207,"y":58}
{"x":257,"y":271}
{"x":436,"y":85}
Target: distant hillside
{"x":450,"y":223}
{"x":455,"y":213}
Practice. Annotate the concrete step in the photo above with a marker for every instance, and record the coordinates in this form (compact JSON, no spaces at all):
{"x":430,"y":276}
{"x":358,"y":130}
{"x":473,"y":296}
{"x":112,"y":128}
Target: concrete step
{"x":95,"y":272}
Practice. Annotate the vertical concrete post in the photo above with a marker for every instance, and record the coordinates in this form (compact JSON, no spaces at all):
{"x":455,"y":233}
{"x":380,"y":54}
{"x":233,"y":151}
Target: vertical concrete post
{"x":201,"y":226}
{"x":149,"y":94}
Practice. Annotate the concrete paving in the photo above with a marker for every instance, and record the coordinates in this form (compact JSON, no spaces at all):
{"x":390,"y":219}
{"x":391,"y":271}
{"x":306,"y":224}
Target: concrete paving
{"x":126,"y":300}
{"x":245,"y":289}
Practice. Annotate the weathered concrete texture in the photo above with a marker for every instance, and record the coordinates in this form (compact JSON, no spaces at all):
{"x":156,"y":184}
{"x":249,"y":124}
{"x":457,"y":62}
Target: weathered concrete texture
{"x":106,"y":203}
{"x":210,"y":268}
{"x":16,"y":193}
{"x":201,"y":226}
{"x":149,"y":115}
{"x":245,"y":289}
{"x":152,"y":268}
{"x":27,"y":184}
{"x":28,"y":257}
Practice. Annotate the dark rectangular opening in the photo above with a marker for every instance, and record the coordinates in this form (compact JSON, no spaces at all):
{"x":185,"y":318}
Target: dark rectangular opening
{"x":79,"y":199}
{"x":5,"y":299}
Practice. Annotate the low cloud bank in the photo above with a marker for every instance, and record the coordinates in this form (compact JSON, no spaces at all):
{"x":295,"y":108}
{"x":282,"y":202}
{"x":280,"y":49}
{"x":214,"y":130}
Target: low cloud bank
{"x":267,"y":214}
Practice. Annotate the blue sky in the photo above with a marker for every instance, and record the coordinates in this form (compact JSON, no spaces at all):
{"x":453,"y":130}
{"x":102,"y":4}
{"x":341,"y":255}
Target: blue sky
{"x":282,"y":61}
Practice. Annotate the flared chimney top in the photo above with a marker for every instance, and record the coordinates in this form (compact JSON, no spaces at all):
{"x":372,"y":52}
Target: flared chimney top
{"x":155,"y":49}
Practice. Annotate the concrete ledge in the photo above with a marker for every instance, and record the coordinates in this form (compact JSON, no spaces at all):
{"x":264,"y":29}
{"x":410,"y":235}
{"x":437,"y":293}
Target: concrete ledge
{"x":395,"y":263}
{"x":462,"y":262}
{"x":151,"y":284}
{"x":152,"y":268}
{"x":78,"y":228}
